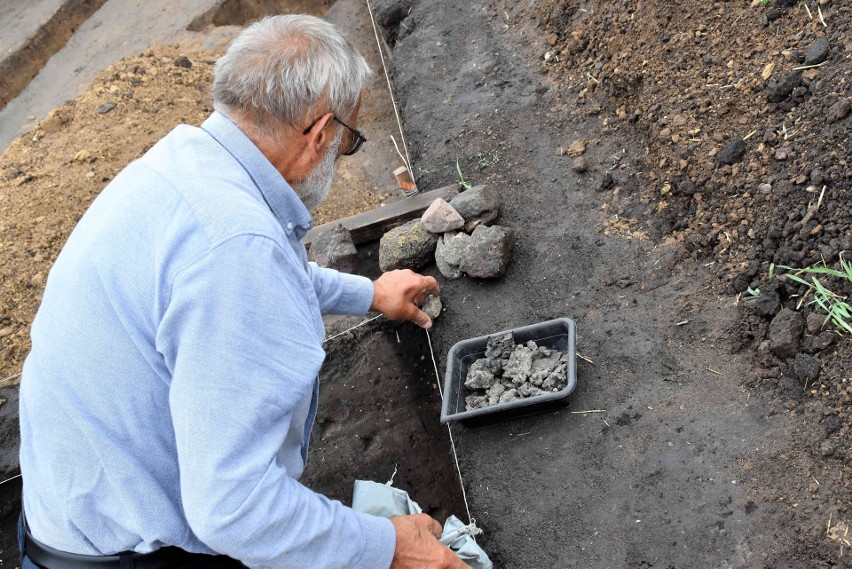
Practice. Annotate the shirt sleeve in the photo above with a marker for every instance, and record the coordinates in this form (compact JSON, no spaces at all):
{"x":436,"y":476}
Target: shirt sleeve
{"x":341,"y":293}
{"x":239,"y":338}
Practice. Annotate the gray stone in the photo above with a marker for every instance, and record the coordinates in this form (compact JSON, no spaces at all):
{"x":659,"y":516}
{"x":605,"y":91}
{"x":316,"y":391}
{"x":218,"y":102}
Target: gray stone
{"x":733,"y":152}
{"x":334,"y":249}
{"x":479,"y":205}
{"x":509,"y":395}
{"x":806,"y":368}
{"x":432,"y":307}
{"x":475,"y":402}
{"x":441,"y":217}
{"x":779,"y":91}
{"x":785,"y":333}
{"x":686,"y":188}
{"x":408,"y":246}
{"x":500,"y":347}
{"x":821,"y":342}
{"x":448,"y":253}
{"x":579,"y":164}
{"x":817,"y":52}
{"x":520,"y":365}
{"x":527,"y":390}
{"x":479,"y":376}
{"x":838,"y":111}
{"x":488,"y":253}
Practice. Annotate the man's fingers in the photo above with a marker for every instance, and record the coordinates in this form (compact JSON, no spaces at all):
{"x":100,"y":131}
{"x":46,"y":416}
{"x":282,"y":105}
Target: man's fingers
{"x":421,"y":319}
{"x":432,"y":286}
{"x":428,"y":523}
{"x":454,"y":562}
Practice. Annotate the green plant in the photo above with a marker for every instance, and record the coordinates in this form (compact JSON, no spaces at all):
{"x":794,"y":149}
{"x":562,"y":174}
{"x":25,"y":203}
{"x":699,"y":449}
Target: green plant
{"x":755,"y":292}
{"x":486,"y":160}
{"x":839,"y":311}
{"x":466,"y":185}
{"x":764,"y":2}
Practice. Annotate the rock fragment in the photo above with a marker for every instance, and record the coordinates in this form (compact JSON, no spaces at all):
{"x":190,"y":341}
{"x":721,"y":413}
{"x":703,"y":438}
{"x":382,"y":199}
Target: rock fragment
{"x":520,"y":365}
{"x":817,"y":52}
{"x":579,"y":164}
{"x":433,"y":306}
{"x":605,"y":183}
{"x":785,"y":333}
{"x":500,"y":347}
{"x":408,"y":246}
{"x":733,"y":152}
{"x":488,"y":252}
{"x":780,"y":90}
{"x":479,"y":376}
{"x":479,"y":205}
{"x":838,"y":111}
{"x":441,"y":217}
{"x":105,"y":108}
{"x":334,"y":249}
{"x":448,"y":253}
{"x":767,"y":302}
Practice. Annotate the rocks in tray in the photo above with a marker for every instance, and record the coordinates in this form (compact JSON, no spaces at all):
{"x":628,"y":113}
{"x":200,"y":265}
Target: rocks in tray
{"x":510,"y":371}
{"x":479,"y":205}
{"x":408,"y":246}
{"x":334,"y":249}
{"x":488,"y":253}
{"x":441,"y":217}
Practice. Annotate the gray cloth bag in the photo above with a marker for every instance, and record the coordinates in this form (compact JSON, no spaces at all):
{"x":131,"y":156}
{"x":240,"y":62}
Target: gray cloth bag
{"x":386,"y":501}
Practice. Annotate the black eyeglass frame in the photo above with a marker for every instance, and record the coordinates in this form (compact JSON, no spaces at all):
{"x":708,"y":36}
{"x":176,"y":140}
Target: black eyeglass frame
{"x":358,"y":140}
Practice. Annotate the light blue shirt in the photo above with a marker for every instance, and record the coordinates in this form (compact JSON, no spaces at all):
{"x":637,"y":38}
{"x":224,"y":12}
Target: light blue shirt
{"x":172,"y":384}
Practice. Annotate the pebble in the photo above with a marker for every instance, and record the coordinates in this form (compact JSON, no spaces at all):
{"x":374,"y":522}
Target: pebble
{"x":605,"y":183}
{"x":579,"y":164}
{"x":814,"y":322}
{"x":433,"y":306}
{"x":577,"y":148}
{"x":838,"y":111}
{"x":182,"y":61}
{"x":105,"y":108}
{"x":764,"y":188}
{"x":441,"y":217}
{"x":806,"y":368}
{"x":817,"y":52}
{"x":780,"y":90}
{"x":733,"y":152}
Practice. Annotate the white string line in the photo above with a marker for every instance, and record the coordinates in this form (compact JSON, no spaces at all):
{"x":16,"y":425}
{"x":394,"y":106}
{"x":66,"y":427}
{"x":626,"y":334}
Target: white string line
{"x":2,"y":381}
{"x":367,"y":321}
{"x":10,"y":479}
{"x":390,"y":90}
{"x":470,"y":519}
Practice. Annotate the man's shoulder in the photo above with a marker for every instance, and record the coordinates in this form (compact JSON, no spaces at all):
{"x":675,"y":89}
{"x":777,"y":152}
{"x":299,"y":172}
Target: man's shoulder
{"x":212,"y":184}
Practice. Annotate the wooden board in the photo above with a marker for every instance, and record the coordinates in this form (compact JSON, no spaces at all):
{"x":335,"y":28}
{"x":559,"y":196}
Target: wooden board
{"x":371,"y":225}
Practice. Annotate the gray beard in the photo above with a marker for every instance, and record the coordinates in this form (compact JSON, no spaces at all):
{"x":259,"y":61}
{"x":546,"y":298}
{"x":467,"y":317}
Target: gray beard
{"x":314,"y":189}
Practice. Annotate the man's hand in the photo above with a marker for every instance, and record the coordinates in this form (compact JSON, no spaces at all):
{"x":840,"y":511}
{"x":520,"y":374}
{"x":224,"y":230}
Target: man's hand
{"x":398,"y":294}
{"x":417,"y":545}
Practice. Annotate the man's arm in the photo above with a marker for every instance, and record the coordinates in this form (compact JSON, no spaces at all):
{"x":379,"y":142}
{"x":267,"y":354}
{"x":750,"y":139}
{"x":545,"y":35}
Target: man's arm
{"x":396,"y":294}
{"x":244,"y":352}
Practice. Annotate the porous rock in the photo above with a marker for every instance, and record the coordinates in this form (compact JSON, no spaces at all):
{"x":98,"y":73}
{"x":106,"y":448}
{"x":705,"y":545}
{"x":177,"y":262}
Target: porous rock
{"x":479,"y":205}
{"x":806,"y":367}
{"x":479,"y":376}
{"x":448,"y":253}
{"x":433,"y":306}
{"x":488,"y":252}
{"x":441,"y":217}
{"x":334,"y":249}
{"x":520,"y":365}
{"x":408,"y":246}
{"x":733,"y":152}
{"x":785,"y":333}
{"x":500,"y":347}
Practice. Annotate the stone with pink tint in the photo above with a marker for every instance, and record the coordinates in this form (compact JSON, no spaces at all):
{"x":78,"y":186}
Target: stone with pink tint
{"x":441,"y":217}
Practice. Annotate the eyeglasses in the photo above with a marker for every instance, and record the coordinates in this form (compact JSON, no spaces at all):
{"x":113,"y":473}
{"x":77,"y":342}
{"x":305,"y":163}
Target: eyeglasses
{"x":357,"y":138}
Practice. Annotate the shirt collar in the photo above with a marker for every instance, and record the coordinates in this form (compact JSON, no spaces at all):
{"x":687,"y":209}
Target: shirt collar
{"x":288,"y":209}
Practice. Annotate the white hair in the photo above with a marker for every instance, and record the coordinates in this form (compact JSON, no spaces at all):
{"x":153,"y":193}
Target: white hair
{"x":286,"y":69}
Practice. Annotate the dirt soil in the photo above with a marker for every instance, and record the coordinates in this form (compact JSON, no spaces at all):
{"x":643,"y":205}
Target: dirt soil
{"x":702,"y":450}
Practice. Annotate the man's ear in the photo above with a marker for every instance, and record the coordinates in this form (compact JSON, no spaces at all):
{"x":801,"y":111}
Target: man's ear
{"x":319,"y":136}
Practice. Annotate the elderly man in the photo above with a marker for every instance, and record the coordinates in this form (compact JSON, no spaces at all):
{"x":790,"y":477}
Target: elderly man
{"x":167,"y":403}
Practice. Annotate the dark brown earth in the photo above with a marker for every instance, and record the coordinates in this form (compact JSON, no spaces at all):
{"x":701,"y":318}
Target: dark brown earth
{"x":703,"y":451}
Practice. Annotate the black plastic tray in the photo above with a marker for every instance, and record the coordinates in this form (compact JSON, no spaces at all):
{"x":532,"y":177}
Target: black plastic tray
{"x":558,"y":334}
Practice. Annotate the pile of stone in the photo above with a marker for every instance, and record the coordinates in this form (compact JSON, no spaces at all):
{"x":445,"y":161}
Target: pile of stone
{"x":457,"y":234}
{"x":511,"y":371}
